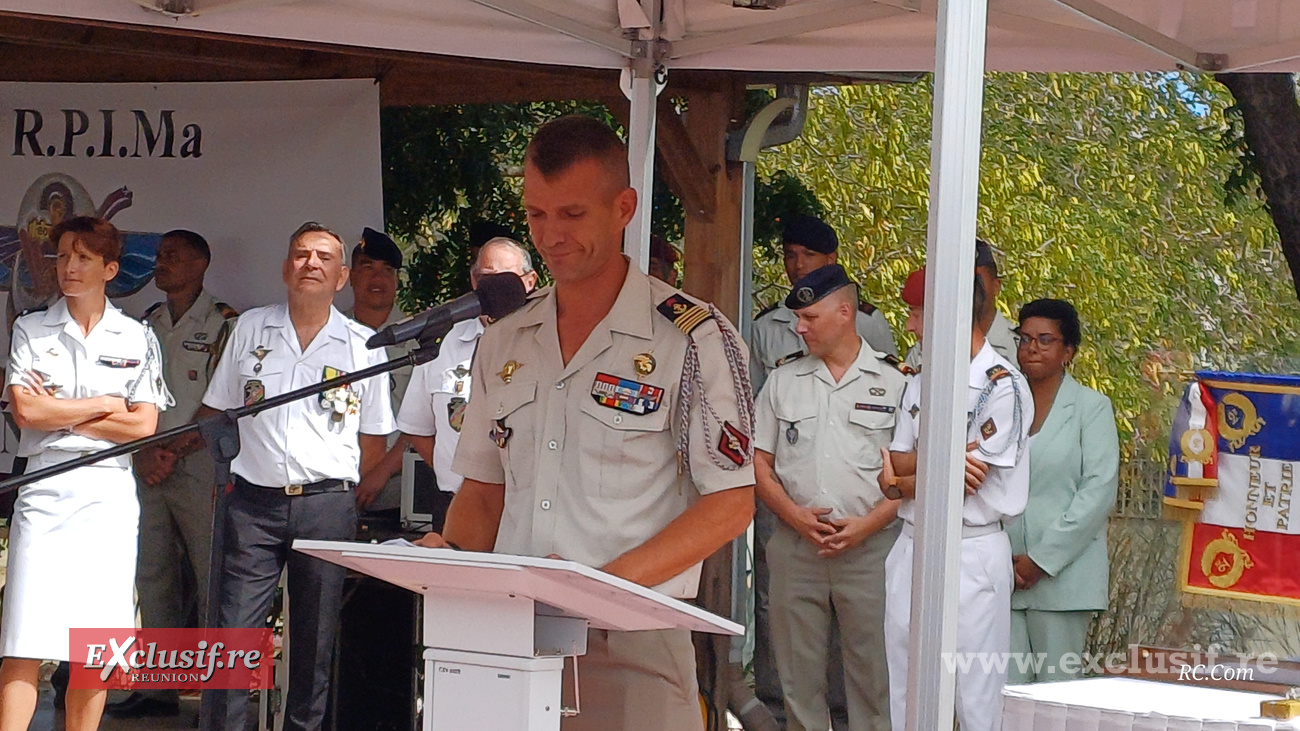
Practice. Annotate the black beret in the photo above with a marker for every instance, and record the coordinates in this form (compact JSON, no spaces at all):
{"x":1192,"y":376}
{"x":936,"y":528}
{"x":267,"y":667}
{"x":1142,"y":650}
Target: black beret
{"x":811,"y":233}
{"x":481,"y":232}
{"x":984,"y":256}
{"x":817,"y":284}
{"x":378,"y":246}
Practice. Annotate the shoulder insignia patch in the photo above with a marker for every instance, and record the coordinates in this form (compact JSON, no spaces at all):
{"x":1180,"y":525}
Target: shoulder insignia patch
{"x":152,"y":308}
{"x":685,"y":314}
{"x":226,"y":311}
{"x":866,"y":308}
{"x":997,"y":373}
{"x":898,"y":363}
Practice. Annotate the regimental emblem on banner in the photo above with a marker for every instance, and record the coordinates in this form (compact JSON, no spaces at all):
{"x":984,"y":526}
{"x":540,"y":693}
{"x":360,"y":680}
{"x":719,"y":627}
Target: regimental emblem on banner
{"x":1224,"y":561}
{"x":1197,"y":446}
{"x":625,"y":394}
{"x":1238,"y":420}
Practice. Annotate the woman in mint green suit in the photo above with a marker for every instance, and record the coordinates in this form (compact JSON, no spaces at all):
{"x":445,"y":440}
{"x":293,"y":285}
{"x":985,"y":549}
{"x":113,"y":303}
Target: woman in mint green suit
{"x":1058,"y":545}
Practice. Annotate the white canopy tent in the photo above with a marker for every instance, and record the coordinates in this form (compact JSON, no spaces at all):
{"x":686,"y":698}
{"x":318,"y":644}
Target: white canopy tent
{"x":957,"y":39}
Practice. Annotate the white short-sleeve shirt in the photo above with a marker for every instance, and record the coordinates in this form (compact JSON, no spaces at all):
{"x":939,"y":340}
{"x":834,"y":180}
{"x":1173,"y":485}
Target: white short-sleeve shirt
{"x":120,"y":357}
{"x":1002,"y":446}
{"x":301,"y":442}
{"x":437,"y":396}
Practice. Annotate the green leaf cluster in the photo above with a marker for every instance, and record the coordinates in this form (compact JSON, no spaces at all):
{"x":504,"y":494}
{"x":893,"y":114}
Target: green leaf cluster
{"x":1107,"y":190}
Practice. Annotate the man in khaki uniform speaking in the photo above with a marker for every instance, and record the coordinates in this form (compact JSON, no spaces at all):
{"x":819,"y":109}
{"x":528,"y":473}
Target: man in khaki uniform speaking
{"x":610,"y":425}
{"x":820,"y":424}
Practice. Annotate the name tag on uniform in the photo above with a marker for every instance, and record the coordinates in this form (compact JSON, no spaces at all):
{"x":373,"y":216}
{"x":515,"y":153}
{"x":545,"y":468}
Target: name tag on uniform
{"x":626,"y":395}
{"x":196,"y":347}
{"x":111,"y":362}
{"x":879,"y":408}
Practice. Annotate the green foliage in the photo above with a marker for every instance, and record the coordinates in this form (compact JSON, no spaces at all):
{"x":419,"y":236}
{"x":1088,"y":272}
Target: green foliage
{"x":1103,"y":189}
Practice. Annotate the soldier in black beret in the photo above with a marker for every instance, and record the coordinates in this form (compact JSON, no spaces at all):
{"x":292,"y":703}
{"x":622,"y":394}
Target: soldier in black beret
{"x":808,"y":243}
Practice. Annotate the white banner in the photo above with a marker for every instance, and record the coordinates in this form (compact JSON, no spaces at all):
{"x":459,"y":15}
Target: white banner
{"x":243,"y":164}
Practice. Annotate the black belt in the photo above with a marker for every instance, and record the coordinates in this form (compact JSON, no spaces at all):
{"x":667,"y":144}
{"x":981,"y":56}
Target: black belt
{"x":310,"y":488}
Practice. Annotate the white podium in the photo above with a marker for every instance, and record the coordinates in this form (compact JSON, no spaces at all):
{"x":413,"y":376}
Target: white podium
{"x":497,"y":628}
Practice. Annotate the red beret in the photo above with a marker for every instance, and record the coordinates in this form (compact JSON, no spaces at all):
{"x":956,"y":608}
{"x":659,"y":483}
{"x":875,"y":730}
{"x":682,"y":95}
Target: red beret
{"x":914,"y":288}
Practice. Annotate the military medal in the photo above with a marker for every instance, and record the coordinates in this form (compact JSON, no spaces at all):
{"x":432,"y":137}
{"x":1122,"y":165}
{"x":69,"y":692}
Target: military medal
{"x":625,"y":394}
{"x":644,"y":363}
{"x":792,"y":434}
{"x":508,"y":370}
{"x":878,"y":408}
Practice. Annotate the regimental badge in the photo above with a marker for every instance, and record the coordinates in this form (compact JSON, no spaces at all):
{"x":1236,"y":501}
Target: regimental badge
{"x":733,"y":444}
{"x":792,"y":434}
{"x":876,"y":391}
{"x":626,"y":395}
{"x":197,"y":347}
{"x":804,"y":295}
{"x":508,"y":370}
{"x":260,"y":352}
{"x":988,"y":429}
{"x":644,"y":363}
{"x":456,"y":413}
{"x":111,"y":362}
{"x":254,"y":392}
{"x":500,"y":433}
{"x":878,"y":408}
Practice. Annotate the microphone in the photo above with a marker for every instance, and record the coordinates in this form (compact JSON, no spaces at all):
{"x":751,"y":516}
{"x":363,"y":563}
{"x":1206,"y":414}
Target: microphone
{"x":497,"y":296}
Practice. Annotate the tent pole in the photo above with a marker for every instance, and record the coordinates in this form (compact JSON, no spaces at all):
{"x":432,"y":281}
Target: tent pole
{"x":641,"y":163}
{"x":949,"y":287}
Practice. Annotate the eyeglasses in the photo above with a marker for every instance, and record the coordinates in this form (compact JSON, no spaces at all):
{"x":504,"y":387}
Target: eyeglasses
{"x":1044,"y":341}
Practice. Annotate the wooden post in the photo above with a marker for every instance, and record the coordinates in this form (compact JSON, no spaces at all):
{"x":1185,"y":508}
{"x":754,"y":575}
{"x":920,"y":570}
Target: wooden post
{"x":711,"y":264}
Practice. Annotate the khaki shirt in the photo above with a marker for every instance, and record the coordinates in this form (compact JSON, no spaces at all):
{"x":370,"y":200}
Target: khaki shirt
{"x":825,"y":436}
{"x":191,"y":348}
{"x":774,"y":341}
{"x":1001,"y":427}
{"x":588,"y":451}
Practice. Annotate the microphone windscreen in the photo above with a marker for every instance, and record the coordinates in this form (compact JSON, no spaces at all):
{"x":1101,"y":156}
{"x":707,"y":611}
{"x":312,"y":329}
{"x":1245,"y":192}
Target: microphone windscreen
{"x":500,"y":294}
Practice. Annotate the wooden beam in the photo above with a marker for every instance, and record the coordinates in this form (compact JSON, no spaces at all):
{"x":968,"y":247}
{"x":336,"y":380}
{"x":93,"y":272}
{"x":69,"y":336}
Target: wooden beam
{"x":36,"y":48}
{"x":695,"y":184}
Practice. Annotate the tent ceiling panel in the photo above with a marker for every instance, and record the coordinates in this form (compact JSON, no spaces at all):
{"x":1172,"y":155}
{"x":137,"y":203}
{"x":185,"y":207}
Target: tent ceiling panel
{"x":801,"y":36}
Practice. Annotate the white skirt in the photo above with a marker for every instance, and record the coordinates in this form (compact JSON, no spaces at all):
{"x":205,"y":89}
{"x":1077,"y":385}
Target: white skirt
{"x":72,"y":553}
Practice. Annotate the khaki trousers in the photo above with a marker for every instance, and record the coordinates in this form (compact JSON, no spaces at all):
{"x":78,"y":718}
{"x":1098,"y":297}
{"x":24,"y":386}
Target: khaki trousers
{"x":635,"y":681}
{"x":808,"y":594}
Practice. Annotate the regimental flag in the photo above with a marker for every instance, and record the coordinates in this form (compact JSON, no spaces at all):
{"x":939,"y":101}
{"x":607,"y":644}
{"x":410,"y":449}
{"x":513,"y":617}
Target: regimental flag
{"x":1244,"y":542}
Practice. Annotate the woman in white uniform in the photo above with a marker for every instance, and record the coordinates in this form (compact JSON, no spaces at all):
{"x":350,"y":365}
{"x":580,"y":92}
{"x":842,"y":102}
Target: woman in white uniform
{"x":82,"y":377}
